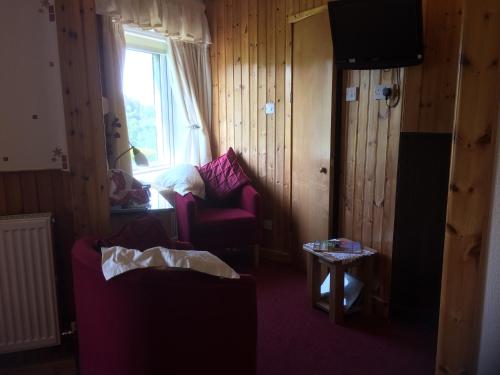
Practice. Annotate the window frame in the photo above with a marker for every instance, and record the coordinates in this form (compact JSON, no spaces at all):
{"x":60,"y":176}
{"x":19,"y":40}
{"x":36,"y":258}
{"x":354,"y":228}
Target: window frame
{"x":144,"y":42}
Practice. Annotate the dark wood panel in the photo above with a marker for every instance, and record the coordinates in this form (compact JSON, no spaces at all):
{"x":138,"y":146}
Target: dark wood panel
{"x":422,"y":187}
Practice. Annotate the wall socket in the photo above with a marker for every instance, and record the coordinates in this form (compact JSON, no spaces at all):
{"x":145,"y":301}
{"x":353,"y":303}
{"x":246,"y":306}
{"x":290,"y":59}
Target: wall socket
{"x":380,"y":88}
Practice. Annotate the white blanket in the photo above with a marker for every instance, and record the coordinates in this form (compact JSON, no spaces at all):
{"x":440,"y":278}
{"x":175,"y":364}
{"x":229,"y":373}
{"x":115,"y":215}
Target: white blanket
{"x":117,"y":260}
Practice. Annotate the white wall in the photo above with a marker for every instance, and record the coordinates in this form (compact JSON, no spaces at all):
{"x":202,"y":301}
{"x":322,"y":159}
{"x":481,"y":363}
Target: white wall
{"x":32,"y":129}
{"x":489,"y":350}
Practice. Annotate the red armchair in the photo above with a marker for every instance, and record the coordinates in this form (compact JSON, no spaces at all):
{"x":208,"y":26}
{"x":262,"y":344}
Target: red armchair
{"x":210,"y":225}
{"x":149,"y":321}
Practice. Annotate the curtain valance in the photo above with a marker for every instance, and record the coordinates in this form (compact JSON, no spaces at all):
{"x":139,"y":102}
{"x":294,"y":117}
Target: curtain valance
{"x":183,"y":20}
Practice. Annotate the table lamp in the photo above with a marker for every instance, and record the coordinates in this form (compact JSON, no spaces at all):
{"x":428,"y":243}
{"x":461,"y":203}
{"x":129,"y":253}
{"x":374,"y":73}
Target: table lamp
{"x":139,"y":158}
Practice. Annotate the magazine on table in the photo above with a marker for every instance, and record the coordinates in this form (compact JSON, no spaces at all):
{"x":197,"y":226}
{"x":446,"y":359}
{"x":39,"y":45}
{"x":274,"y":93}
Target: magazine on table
{"x":338,"y":245}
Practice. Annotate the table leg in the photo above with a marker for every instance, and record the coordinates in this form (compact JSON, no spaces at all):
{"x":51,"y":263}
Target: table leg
{"x":313,"y":275}
{"x":336,"y":299}
{"x":367,"y":273}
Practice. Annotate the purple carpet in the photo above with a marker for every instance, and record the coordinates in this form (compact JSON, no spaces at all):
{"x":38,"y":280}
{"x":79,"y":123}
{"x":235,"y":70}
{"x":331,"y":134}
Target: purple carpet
{"x":294,"y":338}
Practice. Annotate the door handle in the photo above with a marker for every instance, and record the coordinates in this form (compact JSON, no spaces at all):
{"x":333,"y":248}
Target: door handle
{"x":323,"y":170}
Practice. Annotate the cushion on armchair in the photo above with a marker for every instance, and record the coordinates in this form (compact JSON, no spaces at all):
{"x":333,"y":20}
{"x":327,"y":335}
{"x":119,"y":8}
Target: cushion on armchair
{"x":223,"y":176}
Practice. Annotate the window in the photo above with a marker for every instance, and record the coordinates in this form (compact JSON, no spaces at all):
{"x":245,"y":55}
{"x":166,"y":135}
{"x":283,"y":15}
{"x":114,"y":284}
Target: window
{"x":149,"y":106}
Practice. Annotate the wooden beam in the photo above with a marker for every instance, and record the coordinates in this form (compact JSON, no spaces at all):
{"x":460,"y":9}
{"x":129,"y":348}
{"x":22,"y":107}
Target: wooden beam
{"x":306,"y":13}
{"x":469,"y":197}
{"x":77,"y":37}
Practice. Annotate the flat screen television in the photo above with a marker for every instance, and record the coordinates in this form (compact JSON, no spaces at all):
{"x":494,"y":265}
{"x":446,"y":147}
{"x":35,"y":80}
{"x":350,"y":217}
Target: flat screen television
{"x":376,"y":34}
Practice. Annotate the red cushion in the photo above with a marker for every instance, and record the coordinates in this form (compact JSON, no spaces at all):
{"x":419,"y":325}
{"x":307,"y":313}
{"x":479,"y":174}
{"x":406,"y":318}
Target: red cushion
{"x":223,"y":176}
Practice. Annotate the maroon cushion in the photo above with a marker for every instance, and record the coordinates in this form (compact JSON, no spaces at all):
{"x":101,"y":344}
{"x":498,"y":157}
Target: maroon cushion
{"x":223,"y":176}
{"x":141,"y":234}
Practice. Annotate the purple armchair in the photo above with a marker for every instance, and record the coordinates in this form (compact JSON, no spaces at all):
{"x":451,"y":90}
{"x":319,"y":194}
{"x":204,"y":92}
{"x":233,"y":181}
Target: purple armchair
{"x":209,"y":225}
{"x":149,"y":321}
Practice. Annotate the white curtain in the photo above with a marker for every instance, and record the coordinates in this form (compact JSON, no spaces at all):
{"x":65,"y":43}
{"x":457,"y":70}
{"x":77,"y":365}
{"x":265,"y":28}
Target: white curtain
{"x":178,"y":19}
{"x":189,"y":66}
{"x":113,"y":45}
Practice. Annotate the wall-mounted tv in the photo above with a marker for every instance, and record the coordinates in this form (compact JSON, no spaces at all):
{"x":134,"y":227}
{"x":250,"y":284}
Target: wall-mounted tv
{"x":376,"y":34}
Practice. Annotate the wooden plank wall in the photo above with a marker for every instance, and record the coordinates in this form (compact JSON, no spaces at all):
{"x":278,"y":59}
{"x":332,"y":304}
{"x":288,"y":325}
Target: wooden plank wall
{"x":45,"y":191}
{"x":469,"y":197}
{"x":369,"y":170}
{"x":251,"y":65}
{"x":431,"y":87}
{"x":78,"y":52}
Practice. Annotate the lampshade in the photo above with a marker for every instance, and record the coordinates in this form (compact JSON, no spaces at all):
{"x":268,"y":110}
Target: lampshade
{"x":139,"y":158}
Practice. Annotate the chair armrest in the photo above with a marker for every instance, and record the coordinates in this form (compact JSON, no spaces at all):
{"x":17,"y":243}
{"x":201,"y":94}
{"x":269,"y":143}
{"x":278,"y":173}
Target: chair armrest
{"x":181,"y":245}
{"x":250,"y":201}
{"x":185,"y":210}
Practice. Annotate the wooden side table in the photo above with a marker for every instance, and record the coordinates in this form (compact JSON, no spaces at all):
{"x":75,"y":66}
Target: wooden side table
{"x":337,"y":263}
{"x":158,"y":206}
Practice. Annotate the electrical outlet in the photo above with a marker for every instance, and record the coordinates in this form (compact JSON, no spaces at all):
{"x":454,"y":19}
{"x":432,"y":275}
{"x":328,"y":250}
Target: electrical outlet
{"x":267,"y":224}
{"x":379,"y":91}
{"x":351,"y":94}
{"x":269,"y":108}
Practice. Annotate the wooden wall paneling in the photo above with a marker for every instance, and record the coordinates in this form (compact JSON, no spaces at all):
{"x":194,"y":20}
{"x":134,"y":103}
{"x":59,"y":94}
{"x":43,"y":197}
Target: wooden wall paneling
{"x":214,"y":65}
{"x":253,"y":87}
{"x":469,"y":196}
{"x":385,"y":255}
{"x":229,"y":74}
{"x":262,"y":95}
{"x":61,"y":184}
{"x":431,"y":87}
{"x":45,"y":192}
{"x":13,"y":193}
{"x":351,"y":125}
{"x":442,"y":30}
{"x":291,"y":7}
{"x":364,"y":98}
{"x":269,"y":79}
{"x":370,"y":161}
{"x":270,"y":118}
{"x":411,"y":98}
{"x":83,"y":113}
{"x":96,"y":176}
{"x":380,"y":168}
{"x":369,"y":170}
{"x":29,"y":192}
{"x":280,"y":47}
{"x":245,"y":83}
{"x":237,"y":76}
{"x":3,"y":203}
{"x":220,"y":45}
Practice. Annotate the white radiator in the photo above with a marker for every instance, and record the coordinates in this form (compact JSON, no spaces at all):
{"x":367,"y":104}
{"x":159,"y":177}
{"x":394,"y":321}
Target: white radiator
{"x":28,"y":307}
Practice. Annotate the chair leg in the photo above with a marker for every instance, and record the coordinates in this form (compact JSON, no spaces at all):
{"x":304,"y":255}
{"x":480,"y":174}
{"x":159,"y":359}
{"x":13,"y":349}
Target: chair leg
{"x":256,"y":251}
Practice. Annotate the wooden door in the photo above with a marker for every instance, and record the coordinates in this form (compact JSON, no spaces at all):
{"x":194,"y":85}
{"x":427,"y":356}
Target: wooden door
{"x":312,"y":130}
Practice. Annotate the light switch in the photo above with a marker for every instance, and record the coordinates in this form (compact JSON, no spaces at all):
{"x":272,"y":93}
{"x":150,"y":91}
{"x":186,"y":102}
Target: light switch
{"x":351,"y":94}
{"x":269,"y":108}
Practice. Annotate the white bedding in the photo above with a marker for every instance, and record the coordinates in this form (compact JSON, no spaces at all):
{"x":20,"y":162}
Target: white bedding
{"x":182,"y":179}
{"x":117,"y":260}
